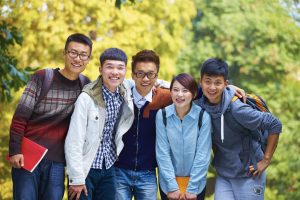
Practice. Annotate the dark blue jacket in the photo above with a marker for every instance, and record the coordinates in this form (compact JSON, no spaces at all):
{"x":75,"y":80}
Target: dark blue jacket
{"x":139,"y":142}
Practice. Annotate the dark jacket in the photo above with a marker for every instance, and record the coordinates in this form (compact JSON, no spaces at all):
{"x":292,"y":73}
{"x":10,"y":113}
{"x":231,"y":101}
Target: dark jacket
{"x":229,"y":158}
{"x":139,"y":142}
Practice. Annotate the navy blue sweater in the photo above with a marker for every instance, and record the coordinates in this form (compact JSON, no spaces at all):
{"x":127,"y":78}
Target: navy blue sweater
{"x":139,"y":142}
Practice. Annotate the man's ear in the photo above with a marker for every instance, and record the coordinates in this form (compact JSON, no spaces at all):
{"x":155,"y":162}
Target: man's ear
{"x":226,"y":83}
{"x":100,"y":69}
{"x":199,"y":81}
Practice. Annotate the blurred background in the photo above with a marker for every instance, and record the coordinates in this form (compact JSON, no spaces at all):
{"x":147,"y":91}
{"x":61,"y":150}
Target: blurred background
{"x":259,"y":39}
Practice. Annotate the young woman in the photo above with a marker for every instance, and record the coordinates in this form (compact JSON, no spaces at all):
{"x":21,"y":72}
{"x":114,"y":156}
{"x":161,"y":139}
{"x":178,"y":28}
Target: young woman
{"x":183,"y":149}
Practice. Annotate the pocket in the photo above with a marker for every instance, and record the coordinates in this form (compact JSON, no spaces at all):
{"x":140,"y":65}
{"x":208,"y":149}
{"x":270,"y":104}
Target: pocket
{"x":231,"y":163}
{"x":245,"y":160}
{"x":93,"y":121}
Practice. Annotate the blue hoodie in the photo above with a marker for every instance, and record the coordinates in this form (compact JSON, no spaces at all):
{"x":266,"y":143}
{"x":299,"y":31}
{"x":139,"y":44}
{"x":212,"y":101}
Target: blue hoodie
{"x":231,"y":158}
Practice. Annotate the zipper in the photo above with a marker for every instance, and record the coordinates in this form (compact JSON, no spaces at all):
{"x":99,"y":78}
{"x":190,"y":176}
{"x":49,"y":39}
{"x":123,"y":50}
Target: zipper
{"x":137,"y":140}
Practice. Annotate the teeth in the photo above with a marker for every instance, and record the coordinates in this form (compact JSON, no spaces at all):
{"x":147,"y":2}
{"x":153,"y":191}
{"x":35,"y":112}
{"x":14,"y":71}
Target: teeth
{"x":75,"y":65}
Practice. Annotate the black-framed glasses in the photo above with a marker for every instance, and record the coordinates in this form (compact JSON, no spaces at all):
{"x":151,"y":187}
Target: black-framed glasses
{"x":74,"y":54}
{"x":150,"y":75}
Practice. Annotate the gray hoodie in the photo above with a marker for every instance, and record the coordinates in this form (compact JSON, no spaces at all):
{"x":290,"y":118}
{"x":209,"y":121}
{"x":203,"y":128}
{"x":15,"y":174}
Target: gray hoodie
{"x":232,"y":158}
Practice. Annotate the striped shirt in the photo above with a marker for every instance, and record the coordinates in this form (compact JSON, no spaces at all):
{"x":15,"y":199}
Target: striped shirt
{"x":107,"y":150}
{"x":47,"y":122}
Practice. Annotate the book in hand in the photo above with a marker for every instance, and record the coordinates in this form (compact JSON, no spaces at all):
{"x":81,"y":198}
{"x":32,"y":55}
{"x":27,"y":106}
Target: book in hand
{"x":182,"y":182}
{"x":33,"y":153}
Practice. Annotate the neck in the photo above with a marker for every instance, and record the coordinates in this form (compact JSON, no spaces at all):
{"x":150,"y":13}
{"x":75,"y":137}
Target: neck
{"x":70,"y":76}
{"x":112,"y":89}
{"x":181,"y":112}
{"x":143,"y":93}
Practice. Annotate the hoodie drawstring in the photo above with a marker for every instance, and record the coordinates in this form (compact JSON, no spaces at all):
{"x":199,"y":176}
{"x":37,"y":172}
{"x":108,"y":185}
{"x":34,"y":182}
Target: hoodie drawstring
{"x":222,"y":128}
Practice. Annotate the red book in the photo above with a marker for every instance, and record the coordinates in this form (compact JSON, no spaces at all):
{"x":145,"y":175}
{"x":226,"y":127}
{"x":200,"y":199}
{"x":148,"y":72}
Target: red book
{"x":33,"y":153}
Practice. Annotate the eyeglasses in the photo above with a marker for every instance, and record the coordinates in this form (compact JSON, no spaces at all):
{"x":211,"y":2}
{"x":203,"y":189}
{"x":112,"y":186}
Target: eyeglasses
{"x":150,"y":75}
{"x":74,"y":54}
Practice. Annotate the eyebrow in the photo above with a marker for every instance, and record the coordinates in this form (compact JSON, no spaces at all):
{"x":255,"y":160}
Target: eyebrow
{"x":78,"y":51}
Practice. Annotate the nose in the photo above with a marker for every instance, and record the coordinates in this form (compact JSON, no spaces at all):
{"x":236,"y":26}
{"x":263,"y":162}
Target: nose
{"x":114,"y":70}
{"x":212,"y":86}
{"x":77,"y":58}
{"x":145,"y":78}
{"x":180,"y":93}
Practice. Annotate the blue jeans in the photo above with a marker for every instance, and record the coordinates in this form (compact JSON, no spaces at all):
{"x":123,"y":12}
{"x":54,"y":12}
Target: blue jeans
{"x":45,"y":182}
{"x":240,"y":188}
{"x":100,"y":184}
{"x":138,"y":184}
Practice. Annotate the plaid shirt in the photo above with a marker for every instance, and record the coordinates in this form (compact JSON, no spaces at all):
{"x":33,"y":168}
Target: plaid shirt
{"x":107,"y":149}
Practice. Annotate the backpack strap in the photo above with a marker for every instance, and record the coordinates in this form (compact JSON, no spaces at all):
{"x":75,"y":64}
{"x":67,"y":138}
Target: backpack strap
{"x":83,"y":80}
{"x":234,"y":98}
{"x":199,"y":119}
{"x":163,"y":110}
{"x":48,"y":79}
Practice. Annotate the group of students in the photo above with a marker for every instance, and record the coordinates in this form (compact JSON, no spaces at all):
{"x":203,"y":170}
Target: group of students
{"x":112,"y":133}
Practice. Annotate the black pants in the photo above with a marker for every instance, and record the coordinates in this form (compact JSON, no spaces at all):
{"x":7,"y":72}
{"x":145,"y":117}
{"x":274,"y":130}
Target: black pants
{"x":200,"y":196}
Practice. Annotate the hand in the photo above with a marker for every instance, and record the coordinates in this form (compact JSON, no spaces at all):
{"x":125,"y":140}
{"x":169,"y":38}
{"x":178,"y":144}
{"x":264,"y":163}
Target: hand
{"x":75,"y":191}
{"x":17,"y":161}
{"x":189,"y":196}
{"x":240,"y":93}
{"x":261,"y":166}
{"x":175,"y":195}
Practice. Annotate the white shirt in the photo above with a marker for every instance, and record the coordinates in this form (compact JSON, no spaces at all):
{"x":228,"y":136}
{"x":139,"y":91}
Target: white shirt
{"x":139,"y":100}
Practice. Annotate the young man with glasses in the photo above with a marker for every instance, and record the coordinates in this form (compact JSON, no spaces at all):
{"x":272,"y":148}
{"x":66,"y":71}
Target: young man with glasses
{"x":45,"y":120}
{"x":136,"y":164}
{"x":103,"y":114}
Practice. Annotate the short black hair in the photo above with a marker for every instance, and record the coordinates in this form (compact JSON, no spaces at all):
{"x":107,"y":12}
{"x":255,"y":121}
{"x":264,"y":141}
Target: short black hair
{"x":113,"y":54}
{"x":145,"y":56}
{"x":215,"y":67}
{"x":80,"y":38}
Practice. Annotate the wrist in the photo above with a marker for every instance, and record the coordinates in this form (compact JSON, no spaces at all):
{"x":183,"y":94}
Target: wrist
{"x":267,"y":160}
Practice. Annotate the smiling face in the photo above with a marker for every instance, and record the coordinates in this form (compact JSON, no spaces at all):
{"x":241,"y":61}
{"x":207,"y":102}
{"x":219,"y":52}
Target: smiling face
{"x":181,"y":96}
{"x":113,"y":73}
{"x":144,"y":84}
{"x":212,"y":87}
{"x":74,"y":66}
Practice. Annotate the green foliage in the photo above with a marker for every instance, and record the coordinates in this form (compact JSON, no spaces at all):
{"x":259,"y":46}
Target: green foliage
{"x":157,"y":25}
{"x":260,"y":40}
{"x":257,"y":38}
{"x":11,"y":76}
{"x":129,"y":25}
{"x":118,"y":3}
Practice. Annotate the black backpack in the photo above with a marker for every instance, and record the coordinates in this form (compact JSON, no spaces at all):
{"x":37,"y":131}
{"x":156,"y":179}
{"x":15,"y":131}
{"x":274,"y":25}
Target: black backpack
{"x":48,"y":79}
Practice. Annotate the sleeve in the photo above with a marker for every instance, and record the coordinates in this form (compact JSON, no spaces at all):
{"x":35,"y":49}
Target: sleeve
{"x":158,"y":83}
{"x":253,"y":119}
{"x":23,"y":113}
{"x":163,"y":154}
{"x":129,"y":83}
{"x":75,"y":141}
{"x":162,"y":83}
{"x":202,"y":158}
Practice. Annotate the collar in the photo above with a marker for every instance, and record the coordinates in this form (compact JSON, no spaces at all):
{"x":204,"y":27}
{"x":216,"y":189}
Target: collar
{"x":137,"y":97}
{"x":193,"y":113}
{"x":109,"y":94}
